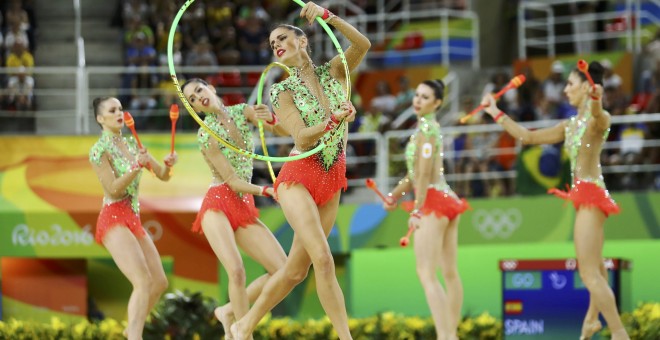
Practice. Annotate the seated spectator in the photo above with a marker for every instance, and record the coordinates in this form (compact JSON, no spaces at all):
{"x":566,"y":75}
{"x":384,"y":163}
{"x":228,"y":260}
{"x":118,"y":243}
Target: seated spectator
{"x":15,"y":33}
{"x":219,"y":13}
{"x":405,"y":95}
{"x":19,"y":55}
{"x":140,"y":53}
{"x":384,"y":102}
{"x":136,"y":9}
{"x":16,"y":13}
{"x":508,"y":101}
{"x":20,"y":88}
{"x":253,"y":42}
{"x":202,"y":55}
{"x":226,"y":46}
{"x":553,"y":89}
{"x":137,"y":27}
{"x":529,"y":93}
{"x":252,"y":9}
{"x":651,"y":63}
{"x":610,"y":79}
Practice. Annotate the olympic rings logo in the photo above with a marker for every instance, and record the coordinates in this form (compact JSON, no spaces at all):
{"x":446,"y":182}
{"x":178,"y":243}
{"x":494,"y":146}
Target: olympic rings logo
{"x":522,"y":280}
{"x":154,"y":229}
{"x":509,"y":265}
{"x":571,"y":264}
{"x":497,"y":222}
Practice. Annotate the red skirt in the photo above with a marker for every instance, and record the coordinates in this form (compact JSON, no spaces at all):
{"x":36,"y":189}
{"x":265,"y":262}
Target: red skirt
{"x":440,"y":204}
{"x":116,"y":214}
{"x":240,"y":211}
{"x":309,"y":172}
{"x":590,"y":195}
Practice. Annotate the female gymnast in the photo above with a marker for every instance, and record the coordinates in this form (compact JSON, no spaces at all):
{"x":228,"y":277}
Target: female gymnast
{"x":435,"y":213}
{"x":583,"y":137}
{"x":118,"y":162}
{"x":228,"y":217}
{"x":310,"y":103}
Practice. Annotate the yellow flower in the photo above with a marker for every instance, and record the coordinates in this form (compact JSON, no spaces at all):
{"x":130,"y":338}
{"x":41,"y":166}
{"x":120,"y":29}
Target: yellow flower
{"x":485,"y":319}
{"x":266,"y":319}
{"x":196,"y":336}
{"x":370,"y":327}
{"x":80,"y":327}
{"x":168,"y":337}
{"x":56,"y":324}
{"x":414,"y":323}
{"x":655,"y":312}
{"x":352,"y":323}
{"x":467,"y":326}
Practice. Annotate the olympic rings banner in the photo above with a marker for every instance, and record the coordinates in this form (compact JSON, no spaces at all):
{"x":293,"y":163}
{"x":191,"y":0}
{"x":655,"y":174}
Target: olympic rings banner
{"x":50,"y":199}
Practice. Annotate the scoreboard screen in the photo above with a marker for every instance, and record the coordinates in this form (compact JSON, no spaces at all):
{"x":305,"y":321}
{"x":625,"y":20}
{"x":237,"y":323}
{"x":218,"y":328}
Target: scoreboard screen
{"x":547,"y":299}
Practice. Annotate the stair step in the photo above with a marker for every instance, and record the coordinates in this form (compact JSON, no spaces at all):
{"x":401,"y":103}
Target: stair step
{"x":56,"y":54}
{"x":49,"y":10}
{"x":98,"y":9}
{"x":95,"y":30}
{"x":56,"y":30}
{"x":56,"y":81}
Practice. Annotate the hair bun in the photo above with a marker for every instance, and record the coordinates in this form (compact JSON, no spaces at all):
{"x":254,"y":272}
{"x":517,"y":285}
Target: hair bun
{"x":596,"y":71}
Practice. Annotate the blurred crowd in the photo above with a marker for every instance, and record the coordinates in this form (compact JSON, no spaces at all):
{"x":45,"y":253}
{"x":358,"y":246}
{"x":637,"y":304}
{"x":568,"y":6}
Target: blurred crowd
{"x":235,"y":33}
{"x":17,"y":46}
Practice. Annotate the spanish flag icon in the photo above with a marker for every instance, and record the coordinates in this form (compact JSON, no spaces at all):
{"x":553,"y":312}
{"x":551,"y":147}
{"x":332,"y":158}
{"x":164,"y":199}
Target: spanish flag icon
{"x":513,"y":307}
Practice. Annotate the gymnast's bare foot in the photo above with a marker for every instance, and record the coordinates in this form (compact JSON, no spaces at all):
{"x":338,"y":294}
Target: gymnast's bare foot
{"x":621,"y":334}
{"x":589,"y":329}
{"x":226,"y":319}
{"x":238,"y":332}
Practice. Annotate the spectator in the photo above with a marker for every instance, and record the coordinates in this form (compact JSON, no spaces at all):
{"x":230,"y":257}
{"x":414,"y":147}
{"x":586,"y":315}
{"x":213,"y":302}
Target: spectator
{"x":553,"y":89}
{"x":16,"y":13}
{"x":136,"y":9}
{"x":202,"y":55}
{"x":137,"y":27}
{"x":15,"y":33}
{"x":20,"y":89}
{"x":20,"y":93}
{"x":610,"y":79}
{"x":652,"y":63}
{"x":19,"y":55}
{"x":140,"y":53}
{"x":226,"y":46}
{"x":253,"y":42}
{"x":219,"y":14}
{"x":405,"y":95}
{"x":508,"y":101}
{"x":384,"y":102}
{"x":252,"y":9}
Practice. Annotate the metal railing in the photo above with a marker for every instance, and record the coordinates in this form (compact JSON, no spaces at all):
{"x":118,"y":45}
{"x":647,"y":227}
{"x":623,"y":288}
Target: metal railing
{"x":539,"y":31}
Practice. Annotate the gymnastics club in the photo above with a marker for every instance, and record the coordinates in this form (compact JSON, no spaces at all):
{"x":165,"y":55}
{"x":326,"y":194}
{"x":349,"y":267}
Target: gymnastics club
{"x":130,"y":123}
{"x":174,"y":115}
{"x":371,"y":184}
{"x":584,"y":68}
{"x":515,"y":82}
{"x":406,"y":239}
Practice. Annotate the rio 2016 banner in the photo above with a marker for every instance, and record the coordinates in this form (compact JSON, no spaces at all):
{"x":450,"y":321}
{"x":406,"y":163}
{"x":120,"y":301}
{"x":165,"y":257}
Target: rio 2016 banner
{"x":50,"y":198}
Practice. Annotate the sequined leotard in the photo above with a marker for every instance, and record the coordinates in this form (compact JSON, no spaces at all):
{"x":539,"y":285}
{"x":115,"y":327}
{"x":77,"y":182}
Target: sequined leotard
{"x":325,"y":172}
{"x":440,"y":199}
{"x":239,"y":208}
{"x":588,"y":186}
{"x":123,"y":211}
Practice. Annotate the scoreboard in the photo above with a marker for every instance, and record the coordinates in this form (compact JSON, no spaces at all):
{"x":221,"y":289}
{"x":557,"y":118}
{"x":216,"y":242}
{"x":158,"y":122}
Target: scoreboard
{"x":546,"y":299}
